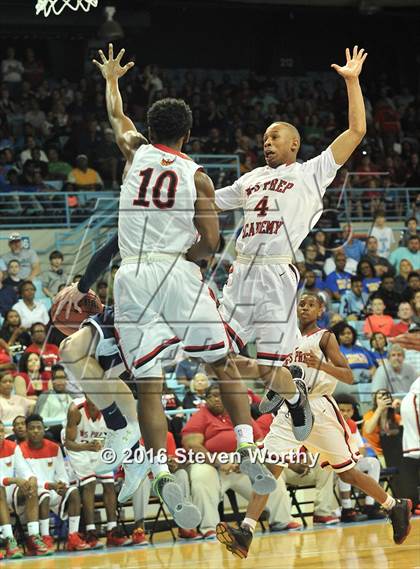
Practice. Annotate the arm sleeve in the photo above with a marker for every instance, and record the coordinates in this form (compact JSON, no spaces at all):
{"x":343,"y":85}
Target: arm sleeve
{"x":323,"y":169}
{"x":22,"y":469}
{"x":229,"y":197}
{"x":98,"y":263}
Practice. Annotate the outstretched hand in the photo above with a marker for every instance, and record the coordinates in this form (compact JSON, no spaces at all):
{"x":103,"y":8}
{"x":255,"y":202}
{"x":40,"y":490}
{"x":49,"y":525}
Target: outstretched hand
{"x":354,"y":63}
{"x":111,"y":68}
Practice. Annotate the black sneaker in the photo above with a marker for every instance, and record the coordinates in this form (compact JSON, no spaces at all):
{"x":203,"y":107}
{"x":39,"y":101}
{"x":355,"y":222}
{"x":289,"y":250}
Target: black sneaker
{"x":300,"y":413}
{"x":400,"y":516}
{"x":374,"y":512}
{"x":349,"y":515}
{"x":272,"y":401}
{"x":185,"y":514}
{"x":237,"y":541}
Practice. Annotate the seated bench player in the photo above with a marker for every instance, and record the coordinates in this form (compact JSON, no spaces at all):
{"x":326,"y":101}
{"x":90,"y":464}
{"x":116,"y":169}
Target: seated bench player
{"x":322,"y":364}
{"x":85,"y":434}
{"x":45,"y":460}
{"x":18,"y":491}
{"x":368,"y":464}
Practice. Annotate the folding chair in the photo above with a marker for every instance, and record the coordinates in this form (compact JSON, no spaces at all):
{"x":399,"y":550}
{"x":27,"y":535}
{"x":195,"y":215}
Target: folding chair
{"x":295,"y":502}
{"x":155,"y":520}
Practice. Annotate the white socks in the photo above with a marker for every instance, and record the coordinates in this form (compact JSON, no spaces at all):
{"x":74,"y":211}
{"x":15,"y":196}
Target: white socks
{"x":33,"y":528}
{"x":244,"y":434}
{"x":346,"y":503}
{"x":45,"y":526}
{"x":74,"y":524}
{"x":7,"y":531}
{"x":159,"y":464}
{"x":250,"y":523}
{"x":293,"y":399}
{"x":90,"y":527}
{"x":110,"y":526}
{"x":389,"y":503}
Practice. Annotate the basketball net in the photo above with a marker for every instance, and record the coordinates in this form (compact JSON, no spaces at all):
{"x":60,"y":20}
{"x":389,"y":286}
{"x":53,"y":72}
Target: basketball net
{"x":57,"y":6}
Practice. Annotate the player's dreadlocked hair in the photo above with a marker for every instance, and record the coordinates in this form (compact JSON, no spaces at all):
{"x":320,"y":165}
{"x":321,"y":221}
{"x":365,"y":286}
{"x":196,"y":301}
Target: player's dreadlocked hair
{"x":169,"y":120}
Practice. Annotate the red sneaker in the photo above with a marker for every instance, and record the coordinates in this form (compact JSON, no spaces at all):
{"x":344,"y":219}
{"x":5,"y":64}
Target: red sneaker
{"x":189,"y":534}
{"x":210,"y":535}
{"x":75,"y":542}
{"x":139,"y":537}
{"x":326,"y":520}
{"x":49,"y":542}
{"x":12,"y":549}
{"x":1,"y":555}
{"x":35,"y":546}
{"x":117,"y":538}
{"x":91,"y":538}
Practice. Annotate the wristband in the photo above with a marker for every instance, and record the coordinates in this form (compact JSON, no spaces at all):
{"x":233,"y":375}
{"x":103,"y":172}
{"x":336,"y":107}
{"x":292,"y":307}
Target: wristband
{"x":6,"y":481}
{"x":47,"y":486}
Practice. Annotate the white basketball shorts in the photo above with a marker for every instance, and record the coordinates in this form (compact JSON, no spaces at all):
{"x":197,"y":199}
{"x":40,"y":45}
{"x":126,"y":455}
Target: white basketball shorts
{"x":330,"y":436}
{"x":161,"y":305}
{"x":260,"y":303}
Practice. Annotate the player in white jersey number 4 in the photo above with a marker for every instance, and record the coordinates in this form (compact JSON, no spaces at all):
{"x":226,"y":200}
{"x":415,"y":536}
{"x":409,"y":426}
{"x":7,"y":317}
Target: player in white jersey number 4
{"x":160,"y":299}
{"x":282,"y":202}
{"x":319,"y":354}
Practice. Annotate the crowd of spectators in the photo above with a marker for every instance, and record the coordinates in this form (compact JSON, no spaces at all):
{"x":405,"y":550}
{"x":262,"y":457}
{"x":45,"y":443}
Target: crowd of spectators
{"x":55,"y":132}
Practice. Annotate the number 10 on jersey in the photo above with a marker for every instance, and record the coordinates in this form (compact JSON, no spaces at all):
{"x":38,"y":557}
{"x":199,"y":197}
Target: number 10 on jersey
{"x":166,"y":180}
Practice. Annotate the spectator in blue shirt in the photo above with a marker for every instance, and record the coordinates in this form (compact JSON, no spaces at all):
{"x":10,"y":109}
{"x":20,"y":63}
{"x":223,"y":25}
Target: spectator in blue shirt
{"x":8,"y":297}
{"x":361,"y":361}
{"x":186,"y":369}
{"x":366,"y":271}
{"x":379,"y":346}
{"x":338,"y":281}
{"x":353,"y":248}
{"x":354,"y":301}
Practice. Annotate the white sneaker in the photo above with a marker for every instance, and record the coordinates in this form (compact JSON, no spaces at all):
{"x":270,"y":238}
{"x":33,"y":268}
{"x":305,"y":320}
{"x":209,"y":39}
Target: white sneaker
{"x":117,"y":446}
{"x":135,"y":473}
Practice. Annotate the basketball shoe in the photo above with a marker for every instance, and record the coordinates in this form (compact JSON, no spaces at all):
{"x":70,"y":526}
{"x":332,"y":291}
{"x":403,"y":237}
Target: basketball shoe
{"x":185,"y":514}
{"x":135,"y":473}
{"x":262,"y":480}
{"x":400,"y":516}
{"x":119,"y":441}
{"x":237,"y":541}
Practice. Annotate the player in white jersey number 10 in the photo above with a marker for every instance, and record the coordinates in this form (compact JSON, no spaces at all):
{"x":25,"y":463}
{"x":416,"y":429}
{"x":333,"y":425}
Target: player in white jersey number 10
{"x":160,"y":300}
{"x":282,"y":202}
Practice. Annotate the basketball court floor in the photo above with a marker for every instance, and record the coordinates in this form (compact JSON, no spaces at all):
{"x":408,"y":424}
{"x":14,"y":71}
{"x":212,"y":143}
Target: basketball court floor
{"x":365,"y":545}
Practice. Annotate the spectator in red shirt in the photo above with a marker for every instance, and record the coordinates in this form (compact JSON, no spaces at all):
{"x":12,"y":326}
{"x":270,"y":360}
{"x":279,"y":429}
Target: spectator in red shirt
{"x":378,"y":321}
{"x":405,"y":314}
{"x":32,"y":379}
{"x":209,"y":431}
{"x":49,"y":353}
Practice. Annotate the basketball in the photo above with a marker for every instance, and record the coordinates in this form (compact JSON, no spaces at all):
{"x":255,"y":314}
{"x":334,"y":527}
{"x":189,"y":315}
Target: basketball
{"x":90,"y":304}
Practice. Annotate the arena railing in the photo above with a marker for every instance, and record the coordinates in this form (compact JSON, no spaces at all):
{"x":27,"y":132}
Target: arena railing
{"x":55,"y":209}
{"x":60,"y":420}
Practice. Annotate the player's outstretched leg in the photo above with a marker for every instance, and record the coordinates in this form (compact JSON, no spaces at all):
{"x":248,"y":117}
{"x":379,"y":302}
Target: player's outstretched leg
{"x":154,"y":428}
{"x":235,"y":398}
{"x":296,"y":399}
{"x":398,"y":510}
{"x":112,"y":397}
{"x":238,"y":541}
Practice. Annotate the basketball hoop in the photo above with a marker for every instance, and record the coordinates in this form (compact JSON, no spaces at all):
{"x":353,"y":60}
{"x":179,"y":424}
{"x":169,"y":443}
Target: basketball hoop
{"x":57,"y":6}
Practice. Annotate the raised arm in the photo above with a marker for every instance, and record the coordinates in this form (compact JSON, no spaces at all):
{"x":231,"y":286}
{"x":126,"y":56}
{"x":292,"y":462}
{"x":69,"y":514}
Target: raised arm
{"x":206,"y":220}
{"x":345,"y":144}
{"x":126,"y":134}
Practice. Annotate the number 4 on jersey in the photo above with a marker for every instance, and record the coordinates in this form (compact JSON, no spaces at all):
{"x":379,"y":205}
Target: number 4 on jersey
{"x":262,"y":206}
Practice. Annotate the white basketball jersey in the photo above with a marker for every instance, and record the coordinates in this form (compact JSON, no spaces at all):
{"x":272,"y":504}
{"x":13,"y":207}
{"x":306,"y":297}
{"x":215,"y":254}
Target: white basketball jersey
{"x":281,"y":205}
{"x":157,"y":203}
{"x":410,"y":413}
{"x":318,"y":382}
{"x":88,"y":429}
